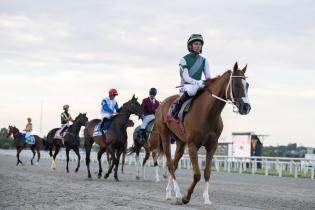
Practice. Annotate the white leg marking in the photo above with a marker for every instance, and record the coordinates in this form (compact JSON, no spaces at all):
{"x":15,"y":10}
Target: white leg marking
{"x":177,"y":190}
{"x":169,"y":189}
{"x":205,"y":194}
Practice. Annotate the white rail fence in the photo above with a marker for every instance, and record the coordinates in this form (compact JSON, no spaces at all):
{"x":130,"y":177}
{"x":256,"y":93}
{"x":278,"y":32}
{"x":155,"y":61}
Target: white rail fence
{"x":276,"y":166}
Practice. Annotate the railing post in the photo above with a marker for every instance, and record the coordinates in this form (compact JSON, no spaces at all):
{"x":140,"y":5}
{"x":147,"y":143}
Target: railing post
{"x":280,"y":169}
{"x":295,"y":171}
{"x":266,"y":167}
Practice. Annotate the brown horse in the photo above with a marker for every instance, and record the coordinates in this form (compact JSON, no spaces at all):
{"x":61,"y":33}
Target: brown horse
{"x":115,"y":139}
{"x":71,"y":141}
{"x":202,"y":126}
{"x":20,"y":144}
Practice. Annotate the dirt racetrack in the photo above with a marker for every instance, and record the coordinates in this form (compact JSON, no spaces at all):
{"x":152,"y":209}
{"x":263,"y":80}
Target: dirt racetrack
{"x":36,"y":187}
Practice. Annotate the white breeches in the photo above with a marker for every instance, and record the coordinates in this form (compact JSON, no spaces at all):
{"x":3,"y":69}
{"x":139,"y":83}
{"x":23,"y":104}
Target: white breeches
{"x":146,"y":120}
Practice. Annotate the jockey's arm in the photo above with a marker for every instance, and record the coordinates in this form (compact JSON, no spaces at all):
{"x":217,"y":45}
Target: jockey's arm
{"x":185,"y":74}
{"x":206,"y":70}
{"x":108,"y":113}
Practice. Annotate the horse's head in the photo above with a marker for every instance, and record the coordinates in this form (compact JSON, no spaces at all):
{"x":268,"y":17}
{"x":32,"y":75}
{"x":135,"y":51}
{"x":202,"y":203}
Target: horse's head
{"x":133,"y":107}
{"x":13,"y":131}
{"x":82,"y":119}
{"x":238,"y":90}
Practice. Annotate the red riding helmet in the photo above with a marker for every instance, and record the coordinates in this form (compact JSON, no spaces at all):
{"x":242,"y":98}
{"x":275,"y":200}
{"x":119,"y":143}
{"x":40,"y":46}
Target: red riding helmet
{"x":113,"y":92}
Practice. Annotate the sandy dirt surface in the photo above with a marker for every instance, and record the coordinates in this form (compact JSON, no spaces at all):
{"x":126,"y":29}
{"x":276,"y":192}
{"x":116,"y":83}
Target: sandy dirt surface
{"x":36,"y":187}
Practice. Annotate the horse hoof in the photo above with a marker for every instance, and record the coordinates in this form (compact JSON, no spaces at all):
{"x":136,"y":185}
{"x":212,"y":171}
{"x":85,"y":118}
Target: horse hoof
{"x":179,"y":201}
{"x":116,"y":178}
{"x":157,"y":181}
{"x":208,"y":203}
{"x":76,"y":170}
{"x":106,"y":176}
{"x":185,"y":200}
{"x":165,"y":176}
{"x":138,"y":177}
{"x":67,"y":171}
{"x":99,"y":176}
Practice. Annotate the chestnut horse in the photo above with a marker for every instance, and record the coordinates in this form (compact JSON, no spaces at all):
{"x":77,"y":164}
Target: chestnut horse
{"x":71,"y":141}
{"x":20,"y":144}
{"x":115,"y":139}
{"x":202,"y":126}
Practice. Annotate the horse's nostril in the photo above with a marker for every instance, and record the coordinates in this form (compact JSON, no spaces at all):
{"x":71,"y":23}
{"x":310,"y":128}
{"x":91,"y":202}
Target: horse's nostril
{"x":246,"y":108}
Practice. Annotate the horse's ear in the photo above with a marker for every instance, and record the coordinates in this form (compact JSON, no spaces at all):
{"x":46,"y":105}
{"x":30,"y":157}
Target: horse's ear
{"x":133,"y":97}
{"x":244,"y":69}
{"x":235,"y":66}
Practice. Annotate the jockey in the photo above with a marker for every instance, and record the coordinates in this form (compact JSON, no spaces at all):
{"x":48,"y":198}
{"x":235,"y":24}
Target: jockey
{"x":191,"y":66}
{"x":109,"y":107}
{"x":65,"y":119}
{"x":149,"y":105}
{"x":28,"y":128}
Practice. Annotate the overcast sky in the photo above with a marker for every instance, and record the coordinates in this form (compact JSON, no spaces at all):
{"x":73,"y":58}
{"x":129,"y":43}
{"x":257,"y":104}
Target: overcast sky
{"x":71,"y":52}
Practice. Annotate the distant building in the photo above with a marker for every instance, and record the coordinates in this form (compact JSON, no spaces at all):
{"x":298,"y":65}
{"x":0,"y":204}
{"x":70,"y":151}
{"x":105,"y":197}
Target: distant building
{"x":242,"y":144}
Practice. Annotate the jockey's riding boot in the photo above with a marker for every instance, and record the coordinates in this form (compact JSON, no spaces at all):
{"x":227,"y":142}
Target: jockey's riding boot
{"x":62,"y":130}
{"x":179,"y":104}
{"x":102,"y":125}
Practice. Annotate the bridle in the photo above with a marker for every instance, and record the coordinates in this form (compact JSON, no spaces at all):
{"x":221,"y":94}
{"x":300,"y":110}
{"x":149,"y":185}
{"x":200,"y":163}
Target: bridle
{"x":228,"y":101}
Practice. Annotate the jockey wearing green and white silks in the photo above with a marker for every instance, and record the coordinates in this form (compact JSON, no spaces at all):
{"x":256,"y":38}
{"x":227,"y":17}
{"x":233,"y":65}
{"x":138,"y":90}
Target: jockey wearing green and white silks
{"x":192,"y":66}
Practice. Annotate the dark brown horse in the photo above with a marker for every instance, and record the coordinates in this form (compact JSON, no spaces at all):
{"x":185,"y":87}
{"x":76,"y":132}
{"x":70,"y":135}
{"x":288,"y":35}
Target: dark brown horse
{"x":202,"y":126}
{"x":20,"y":144}
{"x":114,"y":141}
{"x":109,"y":159}
{"x":71,"y":141}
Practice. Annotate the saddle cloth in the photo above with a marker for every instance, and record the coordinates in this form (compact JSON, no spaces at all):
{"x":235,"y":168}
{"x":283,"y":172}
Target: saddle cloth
{"x":97,"y":130}
{"x":183,"y":110}
{"x":29,"y":139}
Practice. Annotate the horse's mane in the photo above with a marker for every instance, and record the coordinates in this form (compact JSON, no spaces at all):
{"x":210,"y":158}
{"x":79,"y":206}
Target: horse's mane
{"x":209,"y":82}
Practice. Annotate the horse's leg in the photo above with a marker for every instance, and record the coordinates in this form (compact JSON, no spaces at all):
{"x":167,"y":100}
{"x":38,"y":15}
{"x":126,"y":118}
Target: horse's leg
{"x":67,"y":154}
{"x":194,"y":161}
{"x":146,"y":157}
{"x":207,"y":173}
{"x":164,"y":167}
{"x":156,"y":166}
{"x":99,"y":159}
{"x":111,"y":151}
{"x":34,"y":153}
{"x":57,"y":148}
{"x":166,"y":144}
{"x":138,"y":165}
{"x":38,"y":155}
{"x":123,"y":159}
{"x":18,"y":150}
{"x":87,"y":158}
{"x":118,"y":153}
{"x":109,"y":160}
{"x":180,"y":148}
{"x":76,"y":150}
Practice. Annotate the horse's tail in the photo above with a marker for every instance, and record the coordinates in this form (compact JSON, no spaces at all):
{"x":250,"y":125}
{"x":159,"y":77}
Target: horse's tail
{"x":132,"y":149}
{"x":45,"y":143}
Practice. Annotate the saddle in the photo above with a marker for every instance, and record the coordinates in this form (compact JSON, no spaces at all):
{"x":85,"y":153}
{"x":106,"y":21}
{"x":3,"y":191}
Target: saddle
{"x":97,"y":130}
{"x":60,"y":136}
{"x":182,"y":112}
{"x":28,"y":139}
{"x":148,"y":130}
